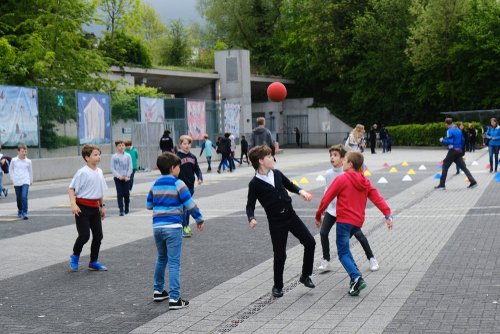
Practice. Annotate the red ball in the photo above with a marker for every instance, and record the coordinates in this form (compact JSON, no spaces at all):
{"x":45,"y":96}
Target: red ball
{"x":276,"y":92}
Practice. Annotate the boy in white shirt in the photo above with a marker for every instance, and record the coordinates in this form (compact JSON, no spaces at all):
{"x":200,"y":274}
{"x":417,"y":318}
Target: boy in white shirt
{"x":86,"y":192}
{"x":21,"y":175}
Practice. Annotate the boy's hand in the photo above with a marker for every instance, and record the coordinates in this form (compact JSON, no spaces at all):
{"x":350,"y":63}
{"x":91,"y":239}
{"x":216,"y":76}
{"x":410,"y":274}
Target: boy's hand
{"x":75,"y":209}
{"x":102,"y":211}
{"x":200,"y":181}
{"x":253,"y":224}
{"x":318,"y":223}
{"x":305,"y":195}
{"x":389,"y":220}
{"x":200,"y":227}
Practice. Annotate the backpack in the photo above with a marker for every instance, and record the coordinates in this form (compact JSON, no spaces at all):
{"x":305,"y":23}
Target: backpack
{"x":5,"y":166}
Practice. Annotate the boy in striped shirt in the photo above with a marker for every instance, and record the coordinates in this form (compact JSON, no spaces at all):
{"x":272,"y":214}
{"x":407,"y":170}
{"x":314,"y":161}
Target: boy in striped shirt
{"x":168,"y":198}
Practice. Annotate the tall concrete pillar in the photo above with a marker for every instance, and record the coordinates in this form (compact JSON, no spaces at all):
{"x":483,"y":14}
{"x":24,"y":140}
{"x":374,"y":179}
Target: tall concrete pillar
{"x":234,"y":86}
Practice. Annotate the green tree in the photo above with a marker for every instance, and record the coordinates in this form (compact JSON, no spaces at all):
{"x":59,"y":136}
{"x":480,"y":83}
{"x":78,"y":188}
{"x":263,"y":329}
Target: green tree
{"x":123,"y":49}
{"x":121,"y":15}
{"x":175,"y":48}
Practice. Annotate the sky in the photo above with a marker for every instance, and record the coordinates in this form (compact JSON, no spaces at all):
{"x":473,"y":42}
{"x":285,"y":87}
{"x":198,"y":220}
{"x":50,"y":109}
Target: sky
{"x":176,"y":9}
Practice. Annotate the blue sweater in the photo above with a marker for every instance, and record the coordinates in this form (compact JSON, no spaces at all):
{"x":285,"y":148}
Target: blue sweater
{"x":454,"y":138}
{"x":495,"y":134}
{"x":167,"y":198}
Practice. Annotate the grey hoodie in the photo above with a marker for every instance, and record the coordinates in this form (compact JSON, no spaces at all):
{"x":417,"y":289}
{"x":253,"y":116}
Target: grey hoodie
{"x":262,"y":136}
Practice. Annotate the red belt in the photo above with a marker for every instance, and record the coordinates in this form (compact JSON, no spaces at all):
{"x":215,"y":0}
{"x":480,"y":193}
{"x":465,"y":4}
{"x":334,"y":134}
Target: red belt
{"x":93,"y":203}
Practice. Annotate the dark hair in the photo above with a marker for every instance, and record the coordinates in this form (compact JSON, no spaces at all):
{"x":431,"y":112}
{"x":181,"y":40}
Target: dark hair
{"x":166,"y":132}
{"x":118,"y":142}
{"x":227,"y":134}
{"x":357,"y":160}
{"x":88,"y":149}
{"x":257,"y":153}
{"x":338,"y":148}
{"x":448,"y":120}
{"x":167,"y":160}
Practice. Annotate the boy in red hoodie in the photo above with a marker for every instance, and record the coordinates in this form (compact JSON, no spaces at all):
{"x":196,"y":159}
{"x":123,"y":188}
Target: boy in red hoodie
{"x":352,"y":190}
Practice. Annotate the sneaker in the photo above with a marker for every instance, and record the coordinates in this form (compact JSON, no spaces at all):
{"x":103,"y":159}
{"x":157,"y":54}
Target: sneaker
{"x":5,"y":192}
{"x":357,"y":286}
{"x":440,"y":187}
{"x":73,"y":262}
{"x":126,"y":211}
{"x":374,"y":264}
{"x":472,"y":185}
{"x":121,"y":213}
{"x":96,"y":266}
{"x":177,"y":305}
{"x":324,"y":266}
{"x":218,"y":171}
{"x":25,"y":217}
{"x":186,"y":232}
{"x":277,"y":292}
{"x":160,"y":296}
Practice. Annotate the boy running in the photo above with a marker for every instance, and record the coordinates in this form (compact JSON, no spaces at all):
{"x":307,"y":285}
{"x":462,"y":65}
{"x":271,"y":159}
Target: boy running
{"x":351,"y":189}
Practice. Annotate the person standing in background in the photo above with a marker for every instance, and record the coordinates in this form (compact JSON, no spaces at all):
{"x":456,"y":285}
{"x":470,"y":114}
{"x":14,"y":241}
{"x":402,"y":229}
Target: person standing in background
{"x":166,"y":143}
{"x":21,"y":175}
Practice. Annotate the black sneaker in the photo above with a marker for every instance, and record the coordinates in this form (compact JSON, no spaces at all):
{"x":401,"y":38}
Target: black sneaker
{"x":440,"y":187}
{"x":472,"y":185}
{"x":357,"y":286}
{"x":307,"y":282}
{"x":177,"y":305}
{"x":160,"y":296}
{"x":277,"y":292}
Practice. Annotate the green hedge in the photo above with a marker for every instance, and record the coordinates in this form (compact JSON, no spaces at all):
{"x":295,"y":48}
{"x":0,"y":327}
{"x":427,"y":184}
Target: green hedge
{"x":424,"y":134}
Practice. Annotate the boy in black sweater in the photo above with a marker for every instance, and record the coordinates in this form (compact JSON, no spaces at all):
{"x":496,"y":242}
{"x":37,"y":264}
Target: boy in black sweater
{"x":189,"y":168}
{"x":269,"y":186}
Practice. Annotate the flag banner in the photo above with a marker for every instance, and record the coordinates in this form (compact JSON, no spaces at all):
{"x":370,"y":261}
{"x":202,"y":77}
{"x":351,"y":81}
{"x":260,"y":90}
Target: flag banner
{"x":18,"y":116}
{"x":232,"y":119}
{"x":94,"y":121}
{"x":152,"y":110}
{"x":196,"y":117}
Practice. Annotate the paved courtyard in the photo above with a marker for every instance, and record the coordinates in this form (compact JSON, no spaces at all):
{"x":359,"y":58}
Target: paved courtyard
{"x":439,"y":267}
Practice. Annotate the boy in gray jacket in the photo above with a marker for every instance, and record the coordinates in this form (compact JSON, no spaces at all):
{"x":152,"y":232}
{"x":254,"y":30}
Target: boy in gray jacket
{"x":121,"y":167}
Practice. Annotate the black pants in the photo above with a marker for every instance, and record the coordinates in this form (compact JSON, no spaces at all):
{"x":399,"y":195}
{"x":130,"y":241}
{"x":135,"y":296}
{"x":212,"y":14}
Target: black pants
{"x":454,"y":156}
{"x":122,"y":193}
{"x":244,"y":153}
{"x":279,"y":234}
{"x":131,"y":181}
{"x":326,"y":226}
{"x":373,"y":143}
{"x":88,"y":220}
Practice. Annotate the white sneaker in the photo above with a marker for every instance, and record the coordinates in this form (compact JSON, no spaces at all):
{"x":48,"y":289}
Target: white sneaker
{"x":374,"y":264}
{"x":324,"y":266}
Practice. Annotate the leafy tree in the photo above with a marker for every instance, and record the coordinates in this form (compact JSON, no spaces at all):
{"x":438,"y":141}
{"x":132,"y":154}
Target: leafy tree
{"x":123,"y":49}
{"x":121,"y":15}
{"x":175,"y":48}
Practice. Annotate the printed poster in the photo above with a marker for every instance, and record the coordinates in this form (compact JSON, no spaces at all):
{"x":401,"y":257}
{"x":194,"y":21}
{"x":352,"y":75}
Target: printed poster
{"x":18,"y":116}
{"x":196,"y":117}
{"x":152,"y":110}
{"x":94,"y":121}
{"x":232,"y":119}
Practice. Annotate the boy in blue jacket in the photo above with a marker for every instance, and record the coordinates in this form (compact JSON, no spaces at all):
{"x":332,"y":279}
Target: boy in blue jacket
{"x":455,"y":141}
{"x":168,"y":198}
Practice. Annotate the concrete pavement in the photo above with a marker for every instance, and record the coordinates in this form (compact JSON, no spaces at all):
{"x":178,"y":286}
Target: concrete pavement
{"x":438,"y":266}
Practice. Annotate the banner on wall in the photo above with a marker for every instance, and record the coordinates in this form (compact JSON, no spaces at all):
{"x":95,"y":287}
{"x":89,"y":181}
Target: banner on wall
{"x":196,"y":117}
{"x":152,"y":110}
{"x":232,"y":119}
{"x":94,"y":121}
{"x":18,"y":116}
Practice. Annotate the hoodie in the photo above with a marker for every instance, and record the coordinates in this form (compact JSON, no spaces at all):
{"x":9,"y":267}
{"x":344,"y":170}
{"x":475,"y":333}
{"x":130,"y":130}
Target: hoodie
{"x":352,"y":190}
{"x":262,"y":136}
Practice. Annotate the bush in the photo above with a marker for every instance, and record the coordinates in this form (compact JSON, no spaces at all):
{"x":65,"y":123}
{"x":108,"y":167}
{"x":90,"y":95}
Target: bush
{"x":424,"y":134}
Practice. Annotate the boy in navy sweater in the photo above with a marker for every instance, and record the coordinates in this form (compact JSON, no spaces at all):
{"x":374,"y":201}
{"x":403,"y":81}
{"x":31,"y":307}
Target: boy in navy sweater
{"x":169,"y":198}
{"x":189,"y":168}
{"x":269,"y":186}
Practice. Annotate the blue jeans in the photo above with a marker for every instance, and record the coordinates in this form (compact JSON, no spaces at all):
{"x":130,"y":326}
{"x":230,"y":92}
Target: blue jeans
{"x":344,"y":233}
{"x":493,"y":151}
{"x":168,"y":245}
{"x":22,"y":199}
{"x":1,"y":183}
{"x":185,"y":220}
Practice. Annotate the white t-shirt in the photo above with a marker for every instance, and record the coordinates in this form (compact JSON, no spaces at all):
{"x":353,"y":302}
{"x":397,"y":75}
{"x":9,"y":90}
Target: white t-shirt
{"x":89,"y":183}
{"x":21,"y":171}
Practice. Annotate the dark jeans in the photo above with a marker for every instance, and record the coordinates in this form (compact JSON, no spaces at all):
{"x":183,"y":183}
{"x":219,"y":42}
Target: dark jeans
{"x":454,"y":156}
{"x":131,"y":182}
{"x":326,"y":226}
{"x":373,"y":144}
{"x":225,"y":157}
{"x":384,"y":145}
{"x":185,"y":220}
{"x":122,"y":193}
{"x":493,"y":152}
{"x":22,"y":199}
{"x":209,"y":162}
{"x":279,"y":235}
{"x":88,"y":220}
{"x":244,"y":153}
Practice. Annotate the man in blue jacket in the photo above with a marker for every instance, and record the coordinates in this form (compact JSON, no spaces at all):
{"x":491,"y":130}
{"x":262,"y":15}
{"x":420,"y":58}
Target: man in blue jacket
{"x":455,"y":140}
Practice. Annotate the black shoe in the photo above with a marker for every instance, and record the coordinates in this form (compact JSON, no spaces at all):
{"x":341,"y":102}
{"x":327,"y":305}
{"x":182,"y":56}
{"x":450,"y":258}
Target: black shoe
{"x":121,"y":213}
{"x":307,"y":282}
{"x":458,"y":172}
{"x":357,"y":286}
{"x":218,"y":171}
{"x":126,"y":211}
{"x":277,"y":292}
{"x":178,"y":304}
{"x":440,"y":187}
{"x":472,"y":185}
{"x":160,"y":296}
